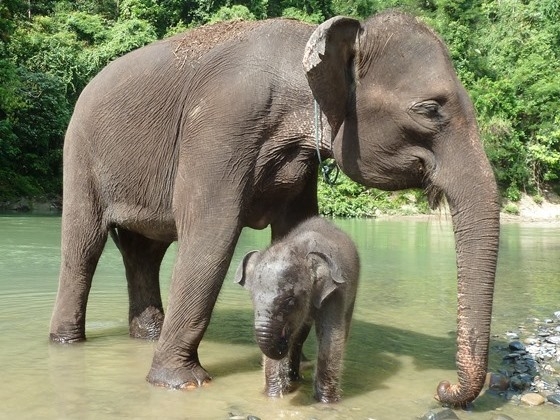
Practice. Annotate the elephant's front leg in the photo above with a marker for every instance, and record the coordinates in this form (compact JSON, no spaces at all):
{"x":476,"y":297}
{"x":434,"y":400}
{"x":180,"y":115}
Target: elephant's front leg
{"x":202,"y":262}
{"x":331,"y":336}
{"x":276,"y":376}
{"x":296,"y":352}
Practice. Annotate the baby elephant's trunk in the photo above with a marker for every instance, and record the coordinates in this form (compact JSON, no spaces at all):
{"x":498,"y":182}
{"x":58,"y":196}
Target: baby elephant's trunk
{"x":272,"y":339}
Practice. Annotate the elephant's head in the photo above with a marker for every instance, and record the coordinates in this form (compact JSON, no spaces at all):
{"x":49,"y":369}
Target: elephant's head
{"x":285,"y":284}
{"x":400,"y":118}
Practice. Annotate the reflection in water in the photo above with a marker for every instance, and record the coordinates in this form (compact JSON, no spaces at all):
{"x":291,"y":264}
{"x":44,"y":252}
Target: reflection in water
{"x":401,"y":345}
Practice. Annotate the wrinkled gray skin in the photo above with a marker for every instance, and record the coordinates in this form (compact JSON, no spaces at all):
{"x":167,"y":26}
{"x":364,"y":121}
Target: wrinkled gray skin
{"x":310,"y":276}
{"x":192,"y":138}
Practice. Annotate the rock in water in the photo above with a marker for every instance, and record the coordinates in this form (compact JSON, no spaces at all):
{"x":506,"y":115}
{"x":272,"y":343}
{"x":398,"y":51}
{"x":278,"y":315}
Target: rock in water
{"x":554,"y":399}
{"x":532,"y":399}
{"x":516,"y":346}
{"x":500,"y":417}
{"x":443,"y":414}
{"x":497,"y":382}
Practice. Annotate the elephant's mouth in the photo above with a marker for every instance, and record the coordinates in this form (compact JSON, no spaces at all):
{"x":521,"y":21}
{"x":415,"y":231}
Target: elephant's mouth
{"x":427,"y":169}
{"x":434,"y":194}
{"x":279,"y":350}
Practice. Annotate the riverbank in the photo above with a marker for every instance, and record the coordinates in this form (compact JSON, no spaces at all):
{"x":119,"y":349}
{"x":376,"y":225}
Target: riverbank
{"x":530,"y":369}
{"x":526,"y":210}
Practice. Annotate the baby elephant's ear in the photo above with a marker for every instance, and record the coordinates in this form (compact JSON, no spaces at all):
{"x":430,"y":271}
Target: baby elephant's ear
{"x":246,"y":267}
{"x":329,"y":276}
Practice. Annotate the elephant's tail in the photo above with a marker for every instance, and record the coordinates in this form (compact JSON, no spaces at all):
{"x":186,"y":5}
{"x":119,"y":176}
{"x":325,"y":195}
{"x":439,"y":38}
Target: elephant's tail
{"x":115,"y":236}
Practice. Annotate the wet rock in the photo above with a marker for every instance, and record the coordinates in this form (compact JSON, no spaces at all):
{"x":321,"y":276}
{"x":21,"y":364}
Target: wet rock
{"x":521,"y":367}
{"x":532,"y":361}
{"x":532,"y":399}
{"x":519,"y":383}
{"x":554,"y":399}
{"x":553,"y":339}
{"x":232,"y":415}
{"x":497,"y":382}
{"x":501,"y":417}
{"x":511,"y":356}
{"x":516,"y":346}
{"x":440,"y":414}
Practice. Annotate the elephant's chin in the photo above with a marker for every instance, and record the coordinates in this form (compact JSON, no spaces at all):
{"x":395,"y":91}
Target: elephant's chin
{"x":277,"y":349}
{"x":272,"y":341}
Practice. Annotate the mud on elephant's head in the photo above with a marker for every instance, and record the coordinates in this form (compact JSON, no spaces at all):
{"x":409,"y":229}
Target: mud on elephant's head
{"x":400,"y":118}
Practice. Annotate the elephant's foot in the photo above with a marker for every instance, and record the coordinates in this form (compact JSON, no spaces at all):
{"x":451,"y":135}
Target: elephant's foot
{"x":67,"y":333}
{"x":327,"y":395}
{"x":184,"y":377}
{"x":147,"y":325}
{"x":281,"y":385}
{"x":279,"y":390}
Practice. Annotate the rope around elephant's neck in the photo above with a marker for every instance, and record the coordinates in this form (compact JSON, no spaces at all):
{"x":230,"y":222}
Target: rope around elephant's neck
{"x":325,"y":167}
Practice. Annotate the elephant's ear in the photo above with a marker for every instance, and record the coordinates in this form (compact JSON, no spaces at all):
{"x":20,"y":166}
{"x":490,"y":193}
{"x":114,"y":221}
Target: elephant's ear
{"x":246,"y":267}
{"x":328,"y":64}
{"x":328,"y":276}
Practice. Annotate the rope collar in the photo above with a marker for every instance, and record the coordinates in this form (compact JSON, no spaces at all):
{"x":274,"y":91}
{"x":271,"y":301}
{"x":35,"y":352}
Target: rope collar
{"x":325,"y":167}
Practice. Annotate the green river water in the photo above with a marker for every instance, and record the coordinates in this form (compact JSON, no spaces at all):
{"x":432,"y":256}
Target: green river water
{"x":401,"y":345}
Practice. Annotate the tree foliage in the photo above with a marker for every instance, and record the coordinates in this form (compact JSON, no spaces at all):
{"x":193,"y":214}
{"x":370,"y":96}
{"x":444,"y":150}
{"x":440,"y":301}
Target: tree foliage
{"x":507,"y":54}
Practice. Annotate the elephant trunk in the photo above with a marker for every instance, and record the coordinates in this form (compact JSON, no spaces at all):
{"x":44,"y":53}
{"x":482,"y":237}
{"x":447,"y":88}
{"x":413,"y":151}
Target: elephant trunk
{"x":271,"y":338}
{"x":475,"y":214}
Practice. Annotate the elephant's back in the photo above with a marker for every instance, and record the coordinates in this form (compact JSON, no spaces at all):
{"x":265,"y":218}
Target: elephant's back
{"x":322,"y":235}
{"x":192,"y":45}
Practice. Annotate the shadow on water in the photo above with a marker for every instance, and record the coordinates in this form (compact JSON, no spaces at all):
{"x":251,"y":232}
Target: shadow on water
{"x":373,"y":356}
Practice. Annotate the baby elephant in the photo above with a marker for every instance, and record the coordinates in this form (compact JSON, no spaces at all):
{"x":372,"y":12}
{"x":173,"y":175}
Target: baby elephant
{"x":311,"y":275}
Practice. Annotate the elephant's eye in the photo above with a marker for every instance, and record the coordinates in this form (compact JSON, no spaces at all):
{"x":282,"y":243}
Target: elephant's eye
{"x":429,"y":109}
{"x":289,"y":303}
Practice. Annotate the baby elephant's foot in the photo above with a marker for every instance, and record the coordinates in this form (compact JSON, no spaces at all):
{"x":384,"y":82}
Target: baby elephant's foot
{"x":279,"y":390}
{"x":327,"y":395}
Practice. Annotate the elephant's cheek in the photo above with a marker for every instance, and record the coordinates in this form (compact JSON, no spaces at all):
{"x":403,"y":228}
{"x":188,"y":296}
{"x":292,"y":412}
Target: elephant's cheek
{"x":389,"y":168}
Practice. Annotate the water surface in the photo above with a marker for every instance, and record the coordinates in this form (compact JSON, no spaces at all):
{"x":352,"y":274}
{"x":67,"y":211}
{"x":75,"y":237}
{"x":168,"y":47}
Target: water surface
{"x":401,"y":345}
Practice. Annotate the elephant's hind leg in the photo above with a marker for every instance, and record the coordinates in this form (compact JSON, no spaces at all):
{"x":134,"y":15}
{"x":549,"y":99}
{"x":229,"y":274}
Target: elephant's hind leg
{"x":83,"y":239}
{"x":142,"y":260}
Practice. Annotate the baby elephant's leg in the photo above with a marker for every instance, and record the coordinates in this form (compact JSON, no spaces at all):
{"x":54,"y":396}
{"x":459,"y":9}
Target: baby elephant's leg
{"x":296,"y":352}
{"x":276,"y":376}
{"x":331,"y":337}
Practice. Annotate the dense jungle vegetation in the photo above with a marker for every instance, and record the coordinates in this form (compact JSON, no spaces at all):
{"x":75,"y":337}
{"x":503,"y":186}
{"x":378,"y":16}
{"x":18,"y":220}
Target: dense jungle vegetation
{"x":507,"y":54}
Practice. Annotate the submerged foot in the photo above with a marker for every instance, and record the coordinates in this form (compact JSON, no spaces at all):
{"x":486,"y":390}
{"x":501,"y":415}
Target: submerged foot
{"x":147,"y":325}
{"x":180,"y":377}
{"x":66,"y":334}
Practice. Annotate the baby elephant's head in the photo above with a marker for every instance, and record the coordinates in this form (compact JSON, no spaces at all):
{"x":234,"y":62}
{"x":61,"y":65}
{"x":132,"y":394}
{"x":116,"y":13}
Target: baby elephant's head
{"x":285,"y":287}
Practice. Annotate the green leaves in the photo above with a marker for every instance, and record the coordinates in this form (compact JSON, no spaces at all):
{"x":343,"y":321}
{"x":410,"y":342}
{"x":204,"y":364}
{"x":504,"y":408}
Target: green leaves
{"x":518,"y":84}
{"x":349,"y":199}
{"x":507,"y":54}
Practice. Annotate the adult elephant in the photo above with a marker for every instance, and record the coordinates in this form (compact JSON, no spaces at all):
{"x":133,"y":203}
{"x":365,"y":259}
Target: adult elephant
{"x":195,"y":137}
